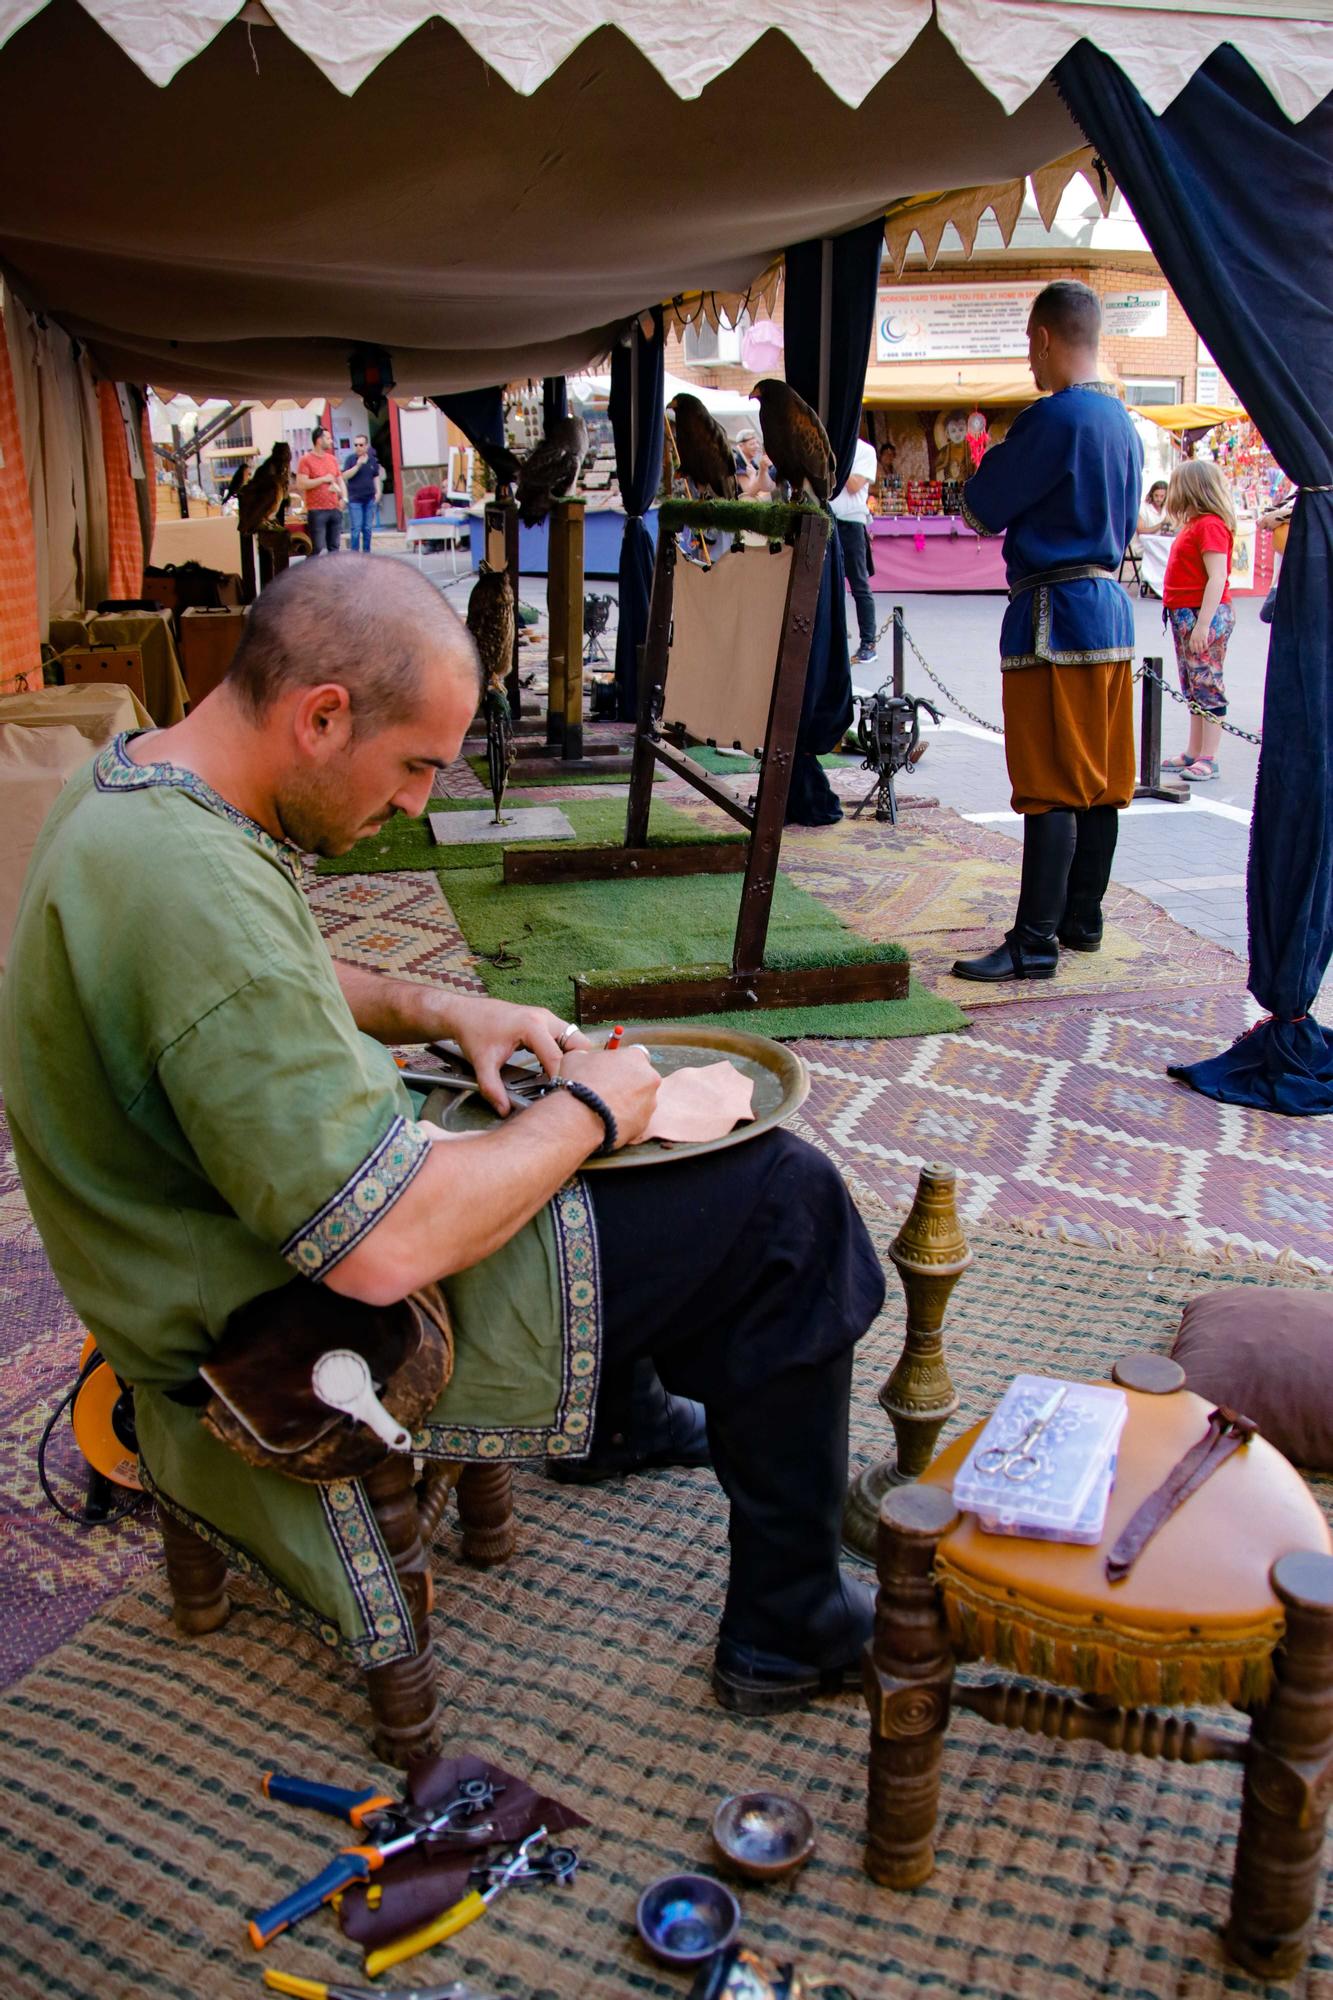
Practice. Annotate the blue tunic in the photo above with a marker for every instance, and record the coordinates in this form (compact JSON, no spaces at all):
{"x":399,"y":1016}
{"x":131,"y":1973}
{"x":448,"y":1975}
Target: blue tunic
{"x":1064,"y":489}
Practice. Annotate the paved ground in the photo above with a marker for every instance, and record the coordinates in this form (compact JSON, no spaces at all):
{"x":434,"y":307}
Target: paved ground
{"x":1190,"y":859}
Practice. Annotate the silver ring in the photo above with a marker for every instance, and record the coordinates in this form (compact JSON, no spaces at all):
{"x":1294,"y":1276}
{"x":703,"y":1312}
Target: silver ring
{"x":562,"y":1040}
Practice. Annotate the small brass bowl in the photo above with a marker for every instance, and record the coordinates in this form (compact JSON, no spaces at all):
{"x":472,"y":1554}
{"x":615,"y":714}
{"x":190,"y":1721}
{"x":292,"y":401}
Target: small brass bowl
{"x":763,"y":1834}
{"x":684,"y":1919}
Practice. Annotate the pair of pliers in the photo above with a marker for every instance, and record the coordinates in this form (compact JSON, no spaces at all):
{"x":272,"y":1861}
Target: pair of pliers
{"x":392,"y":1827}
{"x":519,"y":1864}
{"x":316,"y":1989}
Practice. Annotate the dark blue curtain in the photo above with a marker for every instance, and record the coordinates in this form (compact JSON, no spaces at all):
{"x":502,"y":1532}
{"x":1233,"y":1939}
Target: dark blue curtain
{"x":1237,"y":204}
{"x":555,"y":400}
{"x":479,"y":414}
{"x":827,"y":710}
{"x":636,"y":424}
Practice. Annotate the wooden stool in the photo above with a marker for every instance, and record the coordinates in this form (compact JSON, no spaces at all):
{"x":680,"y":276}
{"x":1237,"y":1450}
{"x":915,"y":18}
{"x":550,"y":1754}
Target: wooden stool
{"x":1230,"y":1602}
{"x":403,"y":1695}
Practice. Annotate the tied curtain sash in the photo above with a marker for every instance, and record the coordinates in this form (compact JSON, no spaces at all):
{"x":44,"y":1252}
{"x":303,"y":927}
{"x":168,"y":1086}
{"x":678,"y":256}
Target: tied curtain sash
{"x":1237,"y":204}
{"x":638,"y":371}
{"x":826,"y":712}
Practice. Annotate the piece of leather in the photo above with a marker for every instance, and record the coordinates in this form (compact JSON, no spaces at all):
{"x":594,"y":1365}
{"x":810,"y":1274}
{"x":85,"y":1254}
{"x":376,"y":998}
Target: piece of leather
{"x":415,"y":1887}
{"x":701,"y":1101}
{"x":1227,"y":1431}
{"x":1205,"y":1574}
{"x":264,"y":1406}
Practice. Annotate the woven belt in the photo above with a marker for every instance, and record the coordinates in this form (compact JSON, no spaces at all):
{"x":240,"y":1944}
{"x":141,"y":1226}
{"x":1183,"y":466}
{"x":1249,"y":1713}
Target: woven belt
{"x":1226,"y":1433}
{"x":1071,"y":573}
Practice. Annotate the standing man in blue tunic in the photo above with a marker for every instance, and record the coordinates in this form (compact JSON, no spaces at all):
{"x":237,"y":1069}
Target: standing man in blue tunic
{"x":1063,"y":488}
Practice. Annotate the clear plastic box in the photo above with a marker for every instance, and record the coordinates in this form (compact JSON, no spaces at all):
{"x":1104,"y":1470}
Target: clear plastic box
{"x":1065,"y":1499}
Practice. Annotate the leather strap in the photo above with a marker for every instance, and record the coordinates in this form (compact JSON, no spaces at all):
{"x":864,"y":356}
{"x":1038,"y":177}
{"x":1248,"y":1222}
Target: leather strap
{"x":1227,"y":1431}
{"x":1070,"y":573}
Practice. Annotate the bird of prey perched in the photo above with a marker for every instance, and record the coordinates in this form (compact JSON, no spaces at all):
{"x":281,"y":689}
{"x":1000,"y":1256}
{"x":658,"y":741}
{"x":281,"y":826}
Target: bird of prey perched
{"x":490,"y":620}
{"x":260,"y":499}
{"x":550,"y":468}
{"x":795,"y":440}
{"x":703,"y":448}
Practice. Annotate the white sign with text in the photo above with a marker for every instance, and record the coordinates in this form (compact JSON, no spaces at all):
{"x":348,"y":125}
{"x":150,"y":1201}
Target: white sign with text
{"x":1140,"y":315}
{"x":953,"y":323}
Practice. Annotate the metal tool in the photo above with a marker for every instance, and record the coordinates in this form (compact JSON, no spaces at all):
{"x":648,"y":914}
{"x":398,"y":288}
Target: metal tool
{"x":517,"y":1865}
{"x":393,"y":1826}
{"x":317,"y":1989}
{"x":1018,"y":1461}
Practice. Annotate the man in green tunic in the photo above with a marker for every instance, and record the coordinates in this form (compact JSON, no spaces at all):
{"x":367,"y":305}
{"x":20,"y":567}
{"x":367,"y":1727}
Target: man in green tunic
{"x":203,"y":1105}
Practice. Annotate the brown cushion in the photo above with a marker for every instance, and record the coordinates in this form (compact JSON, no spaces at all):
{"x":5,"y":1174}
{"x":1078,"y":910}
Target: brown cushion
{"x":1269,"y":1353}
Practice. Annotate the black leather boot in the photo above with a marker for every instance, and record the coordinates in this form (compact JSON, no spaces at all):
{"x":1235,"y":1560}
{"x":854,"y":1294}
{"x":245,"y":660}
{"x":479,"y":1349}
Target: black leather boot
{"x":639,"y":1428}
{"x":1030,"y":949}
{"x":793,"y":1626}
{"x":1089,"y":873}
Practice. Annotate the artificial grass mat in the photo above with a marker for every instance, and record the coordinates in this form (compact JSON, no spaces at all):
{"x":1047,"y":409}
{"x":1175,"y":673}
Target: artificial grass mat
{"x":405,"y":843}
{"x":542,"y":935}
{"x":727,"y":763}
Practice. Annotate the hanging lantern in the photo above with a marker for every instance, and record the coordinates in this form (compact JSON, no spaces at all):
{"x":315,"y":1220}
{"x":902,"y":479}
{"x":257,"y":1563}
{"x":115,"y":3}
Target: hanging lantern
{"x":371,"y":370}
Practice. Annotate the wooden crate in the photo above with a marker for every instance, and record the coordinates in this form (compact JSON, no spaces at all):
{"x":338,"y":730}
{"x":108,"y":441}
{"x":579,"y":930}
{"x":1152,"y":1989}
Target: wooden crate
{"x":208,"y":641}
{"x":121,"y":665}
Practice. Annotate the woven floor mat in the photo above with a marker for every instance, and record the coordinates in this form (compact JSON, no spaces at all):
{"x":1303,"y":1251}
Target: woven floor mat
{"x":136,"y":1839}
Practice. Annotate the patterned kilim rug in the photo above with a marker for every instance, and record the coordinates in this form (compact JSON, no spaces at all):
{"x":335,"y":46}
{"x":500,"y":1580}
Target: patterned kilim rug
{"x":135,"y":1838}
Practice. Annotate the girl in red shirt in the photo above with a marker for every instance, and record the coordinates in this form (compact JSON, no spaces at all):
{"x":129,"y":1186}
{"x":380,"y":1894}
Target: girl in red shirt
{"x":1197,"y":604}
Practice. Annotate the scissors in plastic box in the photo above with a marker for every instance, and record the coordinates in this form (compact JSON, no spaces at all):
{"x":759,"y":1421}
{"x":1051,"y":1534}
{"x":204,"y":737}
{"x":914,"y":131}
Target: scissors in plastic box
{"x":1018,"y":1461}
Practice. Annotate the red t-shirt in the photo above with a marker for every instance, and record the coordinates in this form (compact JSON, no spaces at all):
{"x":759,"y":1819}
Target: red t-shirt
{"x":1186,"y":578}
{"x":314,"y":465}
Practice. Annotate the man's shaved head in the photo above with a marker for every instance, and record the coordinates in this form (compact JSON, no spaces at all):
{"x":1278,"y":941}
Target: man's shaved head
{"x":371,"y":624}
{"x":1071,"y":312}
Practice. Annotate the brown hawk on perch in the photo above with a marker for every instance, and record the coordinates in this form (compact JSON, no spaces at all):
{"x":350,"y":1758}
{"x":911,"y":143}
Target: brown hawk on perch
{"x":490,"y":620}
{"x":260,"y":499}
{"x":795,"y":440}
{"x":705,"y":451}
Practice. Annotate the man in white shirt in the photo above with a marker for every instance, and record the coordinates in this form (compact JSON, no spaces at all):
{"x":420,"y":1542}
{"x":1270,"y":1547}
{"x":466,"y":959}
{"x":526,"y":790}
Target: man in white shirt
{"x":851,"y":511}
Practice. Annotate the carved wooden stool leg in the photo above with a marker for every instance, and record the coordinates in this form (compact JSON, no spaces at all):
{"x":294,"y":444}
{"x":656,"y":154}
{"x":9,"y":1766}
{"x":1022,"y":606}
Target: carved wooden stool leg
{"x":486,"y":1511}
{"x":197,"y":1576}
{"x":1288,"y":1782}
{"x":404,"y":1698}
{"x":909,"y":1676}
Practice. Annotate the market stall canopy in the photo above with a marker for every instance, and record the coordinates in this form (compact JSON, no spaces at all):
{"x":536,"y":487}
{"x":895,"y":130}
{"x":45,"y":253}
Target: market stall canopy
{"x":190,"y":194}
{"x":1187,"y":416}
{"x":934,"y":385}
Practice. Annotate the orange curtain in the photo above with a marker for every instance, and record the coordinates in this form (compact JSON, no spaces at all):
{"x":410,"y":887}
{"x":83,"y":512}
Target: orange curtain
{"x":20,"y":633}
{"x":125,"y":570}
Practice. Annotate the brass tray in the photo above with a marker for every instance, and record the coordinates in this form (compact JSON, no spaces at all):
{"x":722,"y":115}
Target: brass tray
{"x":781,"y":1083}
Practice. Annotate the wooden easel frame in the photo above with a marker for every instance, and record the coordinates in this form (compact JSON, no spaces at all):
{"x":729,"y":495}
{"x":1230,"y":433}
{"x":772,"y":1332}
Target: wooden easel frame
{"x":747,"y":984}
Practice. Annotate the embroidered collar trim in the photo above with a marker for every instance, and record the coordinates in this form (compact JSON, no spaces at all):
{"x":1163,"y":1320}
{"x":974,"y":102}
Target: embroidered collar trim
{"x":116,"y":771}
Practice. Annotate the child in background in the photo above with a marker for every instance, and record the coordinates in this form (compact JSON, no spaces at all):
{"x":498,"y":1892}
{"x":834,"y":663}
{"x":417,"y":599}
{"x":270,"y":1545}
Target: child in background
{"x":1197,"y":603}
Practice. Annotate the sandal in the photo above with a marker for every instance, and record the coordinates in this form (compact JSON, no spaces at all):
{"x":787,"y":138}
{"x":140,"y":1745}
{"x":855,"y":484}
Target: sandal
{"x":1201,"y":771}
{"x":1176,"y":763}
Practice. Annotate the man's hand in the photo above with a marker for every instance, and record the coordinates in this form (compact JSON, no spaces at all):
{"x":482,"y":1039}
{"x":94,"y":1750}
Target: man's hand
{"x":626,"y":1082}
{"x":489,"y":1032}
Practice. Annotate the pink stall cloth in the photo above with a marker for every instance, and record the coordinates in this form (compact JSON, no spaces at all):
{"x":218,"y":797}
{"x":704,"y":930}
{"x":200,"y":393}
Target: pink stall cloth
{"x":933,"y":552}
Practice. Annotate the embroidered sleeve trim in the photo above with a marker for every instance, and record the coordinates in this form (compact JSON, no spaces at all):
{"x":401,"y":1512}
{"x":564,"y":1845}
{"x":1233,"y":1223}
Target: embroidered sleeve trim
{"x":360,"y":1202}
{"x":974,"y":521}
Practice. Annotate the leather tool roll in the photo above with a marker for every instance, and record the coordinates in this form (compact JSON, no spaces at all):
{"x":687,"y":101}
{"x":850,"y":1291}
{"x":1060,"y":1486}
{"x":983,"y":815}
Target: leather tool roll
{"x":263,"y":1404}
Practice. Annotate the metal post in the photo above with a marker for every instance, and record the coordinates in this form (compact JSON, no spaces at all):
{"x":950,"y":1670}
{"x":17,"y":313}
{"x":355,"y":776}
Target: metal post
{"x":1151,"y":784}
{"x":899,"y":668}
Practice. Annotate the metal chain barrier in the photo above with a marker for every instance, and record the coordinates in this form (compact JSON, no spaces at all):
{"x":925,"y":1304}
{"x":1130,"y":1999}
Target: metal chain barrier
{"x":1140,"y":673}
{"x":1145,"y":672}
{"x":894,"y":618}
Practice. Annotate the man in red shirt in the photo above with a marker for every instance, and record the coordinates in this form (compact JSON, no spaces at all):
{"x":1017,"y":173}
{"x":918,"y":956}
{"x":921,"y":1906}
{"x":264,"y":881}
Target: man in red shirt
{"x":319,"y":480}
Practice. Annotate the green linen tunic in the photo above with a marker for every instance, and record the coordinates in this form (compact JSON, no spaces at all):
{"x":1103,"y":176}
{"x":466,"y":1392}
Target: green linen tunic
{"x":196,"y":1118}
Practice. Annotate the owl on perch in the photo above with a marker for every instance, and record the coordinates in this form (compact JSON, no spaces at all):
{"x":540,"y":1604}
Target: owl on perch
{"x":550,"y":469}
{"x":490,"y":620}
{"x":795,"y":440}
